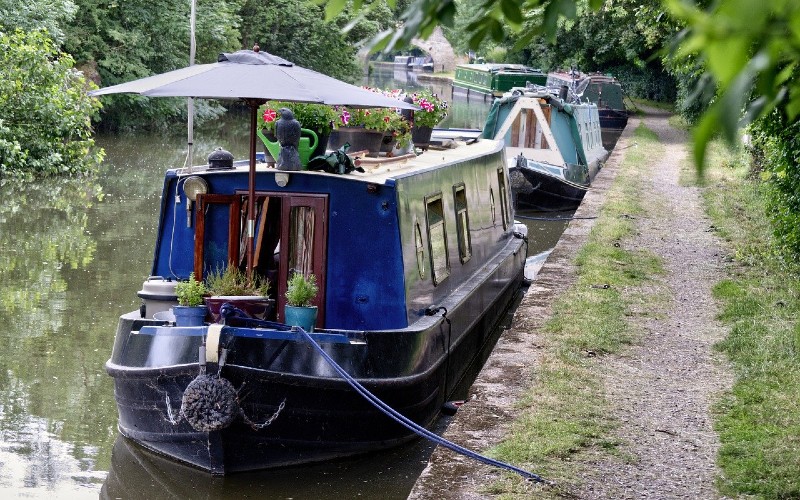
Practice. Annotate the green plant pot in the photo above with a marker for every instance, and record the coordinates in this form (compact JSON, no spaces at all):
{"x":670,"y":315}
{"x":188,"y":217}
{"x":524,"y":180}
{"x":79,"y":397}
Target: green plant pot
{"x":189,"y":315}
{"x":304,"y":317}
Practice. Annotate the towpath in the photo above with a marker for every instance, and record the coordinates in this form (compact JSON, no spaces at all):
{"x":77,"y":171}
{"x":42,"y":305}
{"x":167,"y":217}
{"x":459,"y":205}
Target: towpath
{"x":660,"y":390}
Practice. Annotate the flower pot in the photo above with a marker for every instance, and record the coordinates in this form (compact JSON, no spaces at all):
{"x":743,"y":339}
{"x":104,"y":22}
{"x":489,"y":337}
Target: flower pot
{"x":421,"y":136}
{"x":322,"y":145}
{"x":254,"y":306}
{"x":269,"y":159}
{"x":304,"y":317}
{"x":388,"y":143}
{"x":360,"y":139}
{"x":189,"y":315}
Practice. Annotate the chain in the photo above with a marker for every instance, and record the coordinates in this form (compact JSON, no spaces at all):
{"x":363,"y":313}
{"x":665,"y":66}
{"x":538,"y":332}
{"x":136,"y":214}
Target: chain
{"x":258,"y":427}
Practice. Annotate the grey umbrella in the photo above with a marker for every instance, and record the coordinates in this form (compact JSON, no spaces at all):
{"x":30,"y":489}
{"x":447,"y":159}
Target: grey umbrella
{"x":254,"y":77}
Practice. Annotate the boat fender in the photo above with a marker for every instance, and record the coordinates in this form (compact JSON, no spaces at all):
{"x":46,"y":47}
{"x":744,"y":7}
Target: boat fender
{"x":451,"y":407}
{"x":210,"y":403}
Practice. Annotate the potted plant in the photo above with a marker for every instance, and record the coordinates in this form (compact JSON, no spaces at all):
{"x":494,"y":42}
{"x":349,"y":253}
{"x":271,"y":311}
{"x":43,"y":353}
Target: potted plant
{"x":269,"y":115}
{"x":233,"y":286}
{"x":317,"y":117}
{"x":190,"y":310}
{"x":366,"y":128}
{"x":432,"y":110}
{"x":300,"y":293}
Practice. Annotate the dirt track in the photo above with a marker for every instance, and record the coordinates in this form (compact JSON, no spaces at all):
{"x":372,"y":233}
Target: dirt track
{"x":660,"y":391}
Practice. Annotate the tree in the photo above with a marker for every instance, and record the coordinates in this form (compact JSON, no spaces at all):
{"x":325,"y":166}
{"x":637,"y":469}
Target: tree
{"x":123,"y":41}
{"x":744,"y":51}
{"x":33,"y":15}
{"x":297,"y":31}
{"x":45,"y":114}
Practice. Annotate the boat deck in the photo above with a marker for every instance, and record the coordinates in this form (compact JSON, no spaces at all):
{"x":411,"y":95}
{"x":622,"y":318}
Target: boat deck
{"x":379,"y":170}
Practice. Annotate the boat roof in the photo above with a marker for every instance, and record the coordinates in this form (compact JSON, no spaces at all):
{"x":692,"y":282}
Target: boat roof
{"x":380,"y":170}
{"x":500,"y":67}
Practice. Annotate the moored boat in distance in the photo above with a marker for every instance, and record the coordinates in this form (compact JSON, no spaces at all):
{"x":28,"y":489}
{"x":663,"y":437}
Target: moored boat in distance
{"x":489,"y":80}
{"x":416,"y":259}
{"x":603,"y":90}
{"x":553,"y":148}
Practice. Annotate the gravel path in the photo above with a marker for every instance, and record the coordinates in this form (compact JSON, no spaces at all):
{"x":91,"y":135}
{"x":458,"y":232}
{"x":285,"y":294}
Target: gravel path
{"x":661,"y":390}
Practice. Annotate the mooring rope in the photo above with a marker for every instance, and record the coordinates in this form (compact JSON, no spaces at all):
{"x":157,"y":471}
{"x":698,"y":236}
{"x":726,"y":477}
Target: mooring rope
{"x":528,"y":217}
{"x":416,"y":428}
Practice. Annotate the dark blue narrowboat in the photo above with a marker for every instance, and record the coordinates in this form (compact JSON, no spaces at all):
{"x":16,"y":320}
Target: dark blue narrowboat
{"x":416,"y":259}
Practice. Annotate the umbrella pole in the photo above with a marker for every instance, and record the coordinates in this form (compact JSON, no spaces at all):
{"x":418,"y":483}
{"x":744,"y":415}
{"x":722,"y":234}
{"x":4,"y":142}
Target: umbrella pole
{"x":251,"y":187}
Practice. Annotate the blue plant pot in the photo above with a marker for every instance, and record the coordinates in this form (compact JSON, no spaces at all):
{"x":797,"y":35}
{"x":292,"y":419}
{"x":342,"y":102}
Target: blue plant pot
{"x":304,"y":317}
{"x":189,"y":315}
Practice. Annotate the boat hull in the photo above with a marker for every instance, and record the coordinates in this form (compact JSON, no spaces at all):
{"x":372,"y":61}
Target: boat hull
{"x":413,"y":370}
{"x":536,"y":190}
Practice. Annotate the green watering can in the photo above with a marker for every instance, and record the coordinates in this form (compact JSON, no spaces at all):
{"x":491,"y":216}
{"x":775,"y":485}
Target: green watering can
{"x":307,"y":145}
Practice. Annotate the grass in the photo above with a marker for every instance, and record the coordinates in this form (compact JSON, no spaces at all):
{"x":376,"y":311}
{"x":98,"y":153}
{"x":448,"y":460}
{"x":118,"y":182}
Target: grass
{"x":759,"y":419}
{"x":564,"y":416}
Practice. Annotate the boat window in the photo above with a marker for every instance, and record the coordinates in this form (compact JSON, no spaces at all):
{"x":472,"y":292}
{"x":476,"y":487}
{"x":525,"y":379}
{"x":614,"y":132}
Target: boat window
{"x":462,"y":223}
{"x":437,"y":238}
{"x":527,"y":132}
{"x":492,"y":207}
{"x":501,"y":179}
{"x":420,"y":250}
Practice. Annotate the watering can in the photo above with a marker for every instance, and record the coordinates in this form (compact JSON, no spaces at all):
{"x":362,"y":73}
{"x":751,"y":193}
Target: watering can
{"x":306,"y":147}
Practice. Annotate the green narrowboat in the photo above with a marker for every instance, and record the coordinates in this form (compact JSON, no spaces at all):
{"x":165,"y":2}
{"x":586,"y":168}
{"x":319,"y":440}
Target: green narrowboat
{"x":493,"y":80}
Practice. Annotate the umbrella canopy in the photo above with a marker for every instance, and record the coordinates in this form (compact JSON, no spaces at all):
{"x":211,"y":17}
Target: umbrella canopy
{"x":254,"y":77}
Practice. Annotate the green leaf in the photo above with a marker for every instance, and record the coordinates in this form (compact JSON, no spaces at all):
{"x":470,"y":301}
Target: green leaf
{"x":333,"y":8}
{"x":703,"y":132}
{"x":512,"y":11}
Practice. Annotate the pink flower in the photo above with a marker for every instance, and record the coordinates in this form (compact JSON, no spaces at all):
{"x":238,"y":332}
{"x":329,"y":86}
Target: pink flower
{"x":270,"y":115}
{"x":345,"y":117}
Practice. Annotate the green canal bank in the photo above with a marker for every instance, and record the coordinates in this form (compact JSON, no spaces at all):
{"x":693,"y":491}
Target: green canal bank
{"x":606,"y":379}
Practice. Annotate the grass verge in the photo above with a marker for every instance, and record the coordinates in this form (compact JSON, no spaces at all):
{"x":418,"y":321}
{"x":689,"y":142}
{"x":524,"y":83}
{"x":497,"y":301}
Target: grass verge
{"x":564,"y":415}
{"x":759,"y":419}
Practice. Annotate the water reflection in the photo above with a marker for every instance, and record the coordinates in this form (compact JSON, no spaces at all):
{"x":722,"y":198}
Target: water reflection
{"x":73,"y":252}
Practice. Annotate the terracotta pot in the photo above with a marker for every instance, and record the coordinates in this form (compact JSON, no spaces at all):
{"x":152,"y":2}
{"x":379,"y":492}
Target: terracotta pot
{"x":255,"y":307}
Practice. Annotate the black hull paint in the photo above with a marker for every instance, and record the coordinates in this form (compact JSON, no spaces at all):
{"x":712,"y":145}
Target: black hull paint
{"x":545,"y":193}
{"x":323,"y":417}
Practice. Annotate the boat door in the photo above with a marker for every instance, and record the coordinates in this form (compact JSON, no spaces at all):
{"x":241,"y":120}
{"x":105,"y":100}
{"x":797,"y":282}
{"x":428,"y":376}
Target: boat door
{"x":304,"y":228}
{"x":291,"y":236}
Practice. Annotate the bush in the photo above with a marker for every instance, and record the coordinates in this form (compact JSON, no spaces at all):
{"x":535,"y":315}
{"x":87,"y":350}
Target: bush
{"x":777,"y":146}
{"x":45,"y":114}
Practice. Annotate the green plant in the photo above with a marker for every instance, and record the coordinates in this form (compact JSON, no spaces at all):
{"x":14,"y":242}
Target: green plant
{"x":191,"y":292}
{"x":317,"y":117}
{"x":301,"y":290}
{"x":432,"y":108}
{"x":233,"y":281}
{"x":380,"y":119}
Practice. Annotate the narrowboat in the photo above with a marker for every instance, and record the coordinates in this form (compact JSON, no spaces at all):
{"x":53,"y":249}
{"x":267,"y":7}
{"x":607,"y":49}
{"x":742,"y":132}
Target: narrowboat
{"x":490,"y":80}
{"x":554,"y":149}
{"x":603,"y":90}
{"x":416,"y":259}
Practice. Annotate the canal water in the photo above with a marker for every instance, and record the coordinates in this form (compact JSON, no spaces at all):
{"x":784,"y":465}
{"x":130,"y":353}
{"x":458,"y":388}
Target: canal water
{"x":73,"y":254}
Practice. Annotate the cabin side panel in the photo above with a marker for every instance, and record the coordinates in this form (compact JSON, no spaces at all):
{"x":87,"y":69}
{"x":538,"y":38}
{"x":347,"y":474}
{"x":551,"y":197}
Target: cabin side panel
{"x":477,"y":184}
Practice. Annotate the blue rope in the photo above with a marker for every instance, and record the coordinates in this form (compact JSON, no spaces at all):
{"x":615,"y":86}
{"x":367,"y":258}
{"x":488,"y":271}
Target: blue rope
{"x":396,"y":416}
